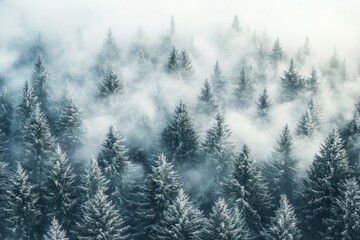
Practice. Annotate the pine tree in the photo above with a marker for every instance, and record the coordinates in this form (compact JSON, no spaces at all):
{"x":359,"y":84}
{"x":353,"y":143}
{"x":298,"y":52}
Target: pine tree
{"x":109,"y":57}
{"x":180,"y":221}
{"x":325,"y":181}
{"x":55,"y":231}
{"x":292,"y":84}
{"x":93,"y":180}
{"x":282,"y":169}
{"x":310,"y":122}
{"x":114,"y":163}
{"x":263,"y":105}
{"x":236,"y":24}
{"x":27,"y":103}
{"x":162,"y":187}
{"x":180,"y":139}
{"x":225,"y":224}
{"x":101,"y":220}
{"x":276,"y":54}
{"x":185,"y":65}
{"x":111,"y":84}
{"x":69,"y":127}
{"x":311,"y":83}
{"x":6,"y":113}
{"x":248,"y":192}
{"x":4,"y":187}
{"x":40,"y":80}
{"x":60,"y":189}
{"x":218,"y":80}
{"x":284,"y":226}
{"x":207,"y":103}
{"x":173,"y":64}
{"x":38,"y":145}
{"x":344,"y":222}
{"x":23,"y":215}
{"x":244,"y":90}
{"x":303,"y":52}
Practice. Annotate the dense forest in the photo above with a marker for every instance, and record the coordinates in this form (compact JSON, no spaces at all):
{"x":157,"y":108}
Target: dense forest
{"x":148,"y":141}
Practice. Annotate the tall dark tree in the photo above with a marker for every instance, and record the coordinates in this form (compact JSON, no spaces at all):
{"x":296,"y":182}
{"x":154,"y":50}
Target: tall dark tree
{"x":114,"y":163}
{"x":6,"y":113}
{"x":23,"y":214}
{"x":225,"y":223}
{"x":263,"y":105}
{"x":185,"y":65}
{"x":40,"y":80}
{"x":27,"y":104}
{"x":248,"y":192}
{"x":292,"y":84}
{"x":276,"y":54}
{"x":173,"y":65}
{"x":181,"y":221}
{"x":180,"y":139}
{"x":162,"y":187}
{"x":324,"y":184}
{"x":218,"y":81}
{"x":4,"y":187}
{"x":281,"y":171}
{"x":244,"y":90}
{"x":309,"y":122}
{"x":110,"y":85}
{"x":284,"y":226}
{"x":207,"y":103}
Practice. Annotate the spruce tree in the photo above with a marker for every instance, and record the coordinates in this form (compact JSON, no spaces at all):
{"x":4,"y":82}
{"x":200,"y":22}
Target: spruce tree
{"x":236,"y":24}
{"x":207,"y":103}
{"x":23,"y":215}
{"x":38,"y":146}
{"x":248,"y":192}
{"x":344,"y":223}
{"x":244,"y":90}
{"x":282,"y":169}
{"x":60,"y":189}
{"x":27,"y":104}
{"x":6,"y":113}
{"x":114,"y":163}
{"x":263,"y":105}
{"x":173,"y":65}
{"x":4,"y":187}
{"x":218,"y":81}
{"x":181,"y":221}
{"x":40,"y":80}
{"x":284,"y":226}
{"x":69,"y":127}
{"x":312,"y":83}
{"x":101,"y":220}
{"x":276,"y":54}
{"x":55,"y":231}
{"x":324,"y":184}
{"x":111,"y":85}
{"x":162,"y":186}
{"x":226,"y":224}
{"x":185,"y":65}
{"x":310,"y":122}
{"x":292,"y":84}
{"x":179,"y":138}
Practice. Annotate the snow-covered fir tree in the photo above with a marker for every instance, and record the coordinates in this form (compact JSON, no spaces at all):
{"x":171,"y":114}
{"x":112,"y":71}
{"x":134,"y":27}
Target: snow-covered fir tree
{"x":312,"y":83}
{"x":309,"y":122}
{"x":226,"y":223}
{"x":244,"y":90}
{"x":40,"y":79}
{"x":181,"y":220}
{"x":292,"y":84}
{"x":236,"y":24}
{"x":185,"y":66}
{"x":276,"y":55}
{"x":218,"y":81}
{"x":263,"y":105}
{"x":111,"y":84}
{"x":284,"y":226}
{"x":173,"y":65}
{"x":22,"y":211}
{"x":55,"y":231}
{"x":6,"y":113}
{"x":180,"y":139}
{"x":207,"y":103}
{"x":4,"y":187}
{"x":324,"y":184}
{"x":26,"y":106}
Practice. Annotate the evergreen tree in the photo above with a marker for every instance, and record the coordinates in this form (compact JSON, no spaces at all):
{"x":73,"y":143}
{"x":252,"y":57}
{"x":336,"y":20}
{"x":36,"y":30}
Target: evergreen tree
{"x":60,"y":189}
{"x":292,"y":84}
{"x":244,"y":90}
{"x":284,"y":226}
{"x":40,"y":80}
{"x":248,"y":192}
{"x":180,"y":139}
{"x":225,"y":224}
{"x":6,"y":113}
{"x":23,"y":215}
{"x":185,"y":65}
{"x":101,"y":220}
{"x":162,"y":187}
{"x":276,"y":54}
{"x":324,"y":184}
{"x":69,"y":127}
{"x":310,"y":122}
{"x":109,"y":57}
{"x":304,"y":51}
{"x":206,"y":101}
{"x":38,"y":146}
{"x":173,"y":65}
{"x":55,"y":231}
{"x":282,"y":169}
{"x":263,"y":105}
{"x":236,"y":24}
{"x":218,"y":80}
{"x":114,"y":163}
{"x":344,"y":222}
{"x":311,"y":83}
{"x":27,"y":104}
{"x":181,"y":221}
{"x":4,"y":187}
{"x":111,"y":85}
